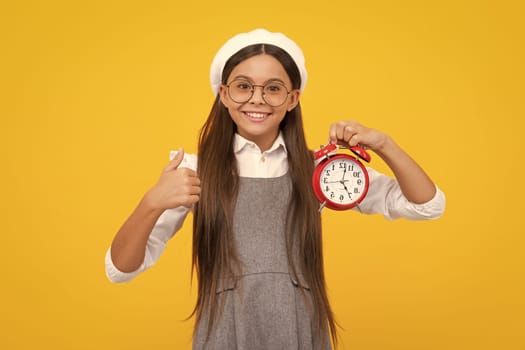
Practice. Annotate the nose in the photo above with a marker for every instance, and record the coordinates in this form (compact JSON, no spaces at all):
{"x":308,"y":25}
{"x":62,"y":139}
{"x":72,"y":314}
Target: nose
{"x":257,"y":95}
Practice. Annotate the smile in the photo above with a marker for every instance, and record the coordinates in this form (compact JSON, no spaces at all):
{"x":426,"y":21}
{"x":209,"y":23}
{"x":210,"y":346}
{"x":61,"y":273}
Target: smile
{"x":256,"y":116}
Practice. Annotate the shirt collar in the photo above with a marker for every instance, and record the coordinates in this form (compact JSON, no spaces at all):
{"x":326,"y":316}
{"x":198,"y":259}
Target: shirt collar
{"x":239,"y":143}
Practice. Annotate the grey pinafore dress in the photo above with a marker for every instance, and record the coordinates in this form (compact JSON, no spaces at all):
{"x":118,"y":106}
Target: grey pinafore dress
{"x":265,"y":307}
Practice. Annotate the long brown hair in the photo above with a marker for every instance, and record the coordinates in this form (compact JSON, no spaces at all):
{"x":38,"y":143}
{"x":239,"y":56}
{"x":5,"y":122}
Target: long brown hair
{"x":213,"y":249}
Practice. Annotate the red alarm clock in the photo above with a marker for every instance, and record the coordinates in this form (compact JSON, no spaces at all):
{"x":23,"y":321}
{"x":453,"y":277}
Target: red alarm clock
{"x":340,"y":181}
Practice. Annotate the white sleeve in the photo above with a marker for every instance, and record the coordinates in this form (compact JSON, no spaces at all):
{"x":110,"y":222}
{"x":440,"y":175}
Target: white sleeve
{"x":165,"y":228}
{"x":385,"y":197}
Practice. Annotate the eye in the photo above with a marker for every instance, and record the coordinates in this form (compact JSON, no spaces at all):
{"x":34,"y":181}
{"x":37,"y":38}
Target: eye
{"x":274,"y":88}
{"x":242,"y":85}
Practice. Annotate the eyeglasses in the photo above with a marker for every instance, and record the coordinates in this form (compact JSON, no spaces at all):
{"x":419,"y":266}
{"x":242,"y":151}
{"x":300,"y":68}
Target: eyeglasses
{"x":274,"y":93}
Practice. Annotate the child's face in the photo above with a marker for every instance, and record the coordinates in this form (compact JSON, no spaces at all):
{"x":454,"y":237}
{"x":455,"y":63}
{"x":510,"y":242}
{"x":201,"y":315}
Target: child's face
{"x":256,"y":120}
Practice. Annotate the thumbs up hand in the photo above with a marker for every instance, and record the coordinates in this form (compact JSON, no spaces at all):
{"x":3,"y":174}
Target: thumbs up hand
{"x":177,"y":186}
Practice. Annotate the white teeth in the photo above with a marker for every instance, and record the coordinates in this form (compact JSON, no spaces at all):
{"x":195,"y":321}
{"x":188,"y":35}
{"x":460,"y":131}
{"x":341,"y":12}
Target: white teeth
{"x":256,"y":115}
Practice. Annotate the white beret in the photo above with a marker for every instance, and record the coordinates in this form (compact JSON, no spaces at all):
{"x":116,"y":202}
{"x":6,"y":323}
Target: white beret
{"x":257,"y":36}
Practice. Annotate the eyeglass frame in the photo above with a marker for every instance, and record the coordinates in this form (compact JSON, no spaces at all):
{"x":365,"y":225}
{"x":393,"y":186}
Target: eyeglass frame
{"x":262,"y":90}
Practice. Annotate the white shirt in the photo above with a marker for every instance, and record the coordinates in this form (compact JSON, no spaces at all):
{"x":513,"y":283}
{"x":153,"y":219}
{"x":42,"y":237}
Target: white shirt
{"x":384,"y":197}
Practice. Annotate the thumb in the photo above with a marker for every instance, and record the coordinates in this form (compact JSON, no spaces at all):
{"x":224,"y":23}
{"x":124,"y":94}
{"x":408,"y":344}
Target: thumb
{"x":175,"y":162}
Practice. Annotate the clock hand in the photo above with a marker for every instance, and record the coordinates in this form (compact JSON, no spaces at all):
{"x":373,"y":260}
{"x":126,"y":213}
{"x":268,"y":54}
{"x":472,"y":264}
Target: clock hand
{"x":336,"y":182}
{"x":346,"y":189}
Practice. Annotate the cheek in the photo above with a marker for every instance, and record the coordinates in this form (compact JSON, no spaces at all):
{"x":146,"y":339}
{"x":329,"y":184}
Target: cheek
{"x":281,"y":112}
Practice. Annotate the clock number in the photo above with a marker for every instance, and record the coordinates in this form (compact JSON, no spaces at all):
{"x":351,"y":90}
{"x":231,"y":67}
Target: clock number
{"x":328,"y":172}
{"x":356,"y":190}
{"x":332,"y":195}
{"x":356,"y":174}
{"x":342,"y":165}
{"x":359,"y":181}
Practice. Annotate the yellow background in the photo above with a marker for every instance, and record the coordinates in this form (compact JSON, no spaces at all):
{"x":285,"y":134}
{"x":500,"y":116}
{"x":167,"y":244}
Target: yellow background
{"x":94,"y":95}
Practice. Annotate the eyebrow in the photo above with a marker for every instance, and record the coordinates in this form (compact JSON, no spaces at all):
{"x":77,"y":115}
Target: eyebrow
{"x":264,"y":83}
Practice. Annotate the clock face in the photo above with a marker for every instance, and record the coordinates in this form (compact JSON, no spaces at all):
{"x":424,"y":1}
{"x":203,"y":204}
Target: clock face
{"x":343,"y":181}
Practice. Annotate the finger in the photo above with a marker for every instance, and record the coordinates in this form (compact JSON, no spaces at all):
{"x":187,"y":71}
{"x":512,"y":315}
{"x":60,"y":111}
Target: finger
{"x":354,"y":140}
{"x":195,"y":181}
{"x":187,"y":174}
{"x":175,"y":162}
{"x":189,"y":191}
{"x":195,"y":190}
{"x":190,"y":200}
{"x":340,"y":130}
{"x":190,"y":180}
{"x":348,"y":133}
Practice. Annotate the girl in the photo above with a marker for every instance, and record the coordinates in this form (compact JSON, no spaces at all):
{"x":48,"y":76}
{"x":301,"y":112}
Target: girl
{"x":257,"y":248}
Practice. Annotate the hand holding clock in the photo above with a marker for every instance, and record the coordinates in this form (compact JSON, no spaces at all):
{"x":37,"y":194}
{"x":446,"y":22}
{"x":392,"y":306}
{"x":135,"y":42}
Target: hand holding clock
{"x":351,"y":133}
{"x":414,"y":182}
